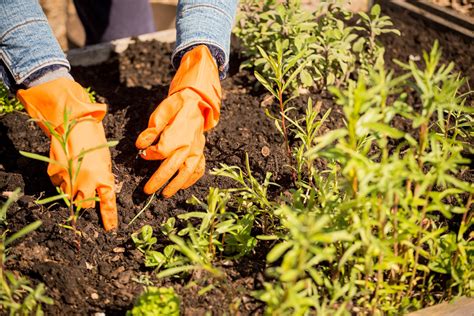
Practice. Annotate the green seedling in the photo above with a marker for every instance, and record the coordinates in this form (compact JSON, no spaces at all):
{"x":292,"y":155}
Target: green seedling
{"x":279,"y":82}
{"x":264,"y":23}
{"x":8,"y":103}
{"x":156,"y":301}
{"x":368,"y":47}
{"x":92,"y":95}
{"x":17,"y":296}
{"x":143,"y":239}
{"x":14,"y":196}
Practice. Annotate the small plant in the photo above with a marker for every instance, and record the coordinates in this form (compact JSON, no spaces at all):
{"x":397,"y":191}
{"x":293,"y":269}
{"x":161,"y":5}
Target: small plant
{"x":373,"y":25}
{"x":282,"y":76}
{"x":73,"y":166}
{"x":220,"y":233}
{"x":261,"y":24}
{"x":15,"y":195}
{"x":156,"y":301}
{"x":330,"y":58}
{"x":16,"y":294}
{"x":8,"y":103}
{"x":144,"y":239}
{"x":92,"y":95}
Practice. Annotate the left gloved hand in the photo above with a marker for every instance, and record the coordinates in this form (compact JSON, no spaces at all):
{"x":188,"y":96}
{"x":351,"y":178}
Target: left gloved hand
{"x":176,"y":128}
{"x":47,"y":103}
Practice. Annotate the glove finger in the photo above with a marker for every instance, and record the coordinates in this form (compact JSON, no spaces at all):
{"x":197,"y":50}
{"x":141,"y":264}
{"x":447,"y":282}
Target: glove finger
{"x":166,"y":171}
{"x":185,"y":172}
{"x":85,"y":194}
{"x":147,"y":137}
{"x":108,"y":207}
{"x":152,"y":153}
{"x":197,"y":174}
{"x":159,"y":119}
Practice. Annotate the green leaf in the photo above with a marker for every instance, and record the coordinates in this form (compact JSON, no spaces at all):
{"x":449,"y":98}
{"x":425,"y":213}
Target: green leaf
{"x":176,"y":270}
{"x":358,"y":45}
{"x":53,"y":198}
{"x":267,"y":237}
{"x":15,"y":195}
{"x":385,"y":129}
{"x":265,"y":83}
{"x":278,"y":251}
{"x":85,"y":152}
{"x":41,"y":158}
{"x":375,"y":11}
{"x":326,"y":140}
{"x":306,"y":78}
{"x":293,"y":76}
{"x":22,"y":232}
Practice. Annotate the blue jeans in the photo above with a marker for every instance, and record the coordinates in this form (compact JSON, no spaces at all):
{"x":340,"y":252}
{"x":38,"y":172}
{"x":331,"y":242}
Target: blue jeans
{"x":28,"y":49}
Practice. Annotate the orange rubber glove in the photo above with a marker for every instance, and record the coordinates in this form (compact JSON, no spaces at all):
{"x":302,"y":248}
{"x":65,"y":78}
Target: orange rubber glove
{"x":176,"y":128}
{"x":47,"y":102}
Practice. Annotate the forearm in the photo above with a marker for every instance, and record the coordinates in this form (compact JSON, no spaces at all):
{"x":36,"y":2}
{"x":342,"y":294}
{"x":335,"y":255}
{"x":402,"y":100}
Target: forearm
{"x":206,"y":22}
{"x":28,"y":49}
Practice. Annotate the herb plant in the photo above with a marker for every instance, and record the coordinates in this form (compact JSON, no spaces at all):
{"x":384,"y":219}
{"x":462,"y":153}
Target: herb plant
{"x":156,"y":301}
{"x":17,"y":296}
{"x":8,"y":103}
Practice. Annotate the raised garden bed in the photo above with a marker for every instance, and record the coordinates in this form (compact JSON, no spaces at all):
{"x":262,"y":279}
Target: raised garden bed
{"x":101,"y":276}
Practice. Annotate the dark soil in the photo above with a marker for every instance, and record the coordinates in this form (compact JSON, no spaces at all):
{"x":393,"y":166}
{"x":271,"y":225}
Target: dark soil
{"x":100,"y":276}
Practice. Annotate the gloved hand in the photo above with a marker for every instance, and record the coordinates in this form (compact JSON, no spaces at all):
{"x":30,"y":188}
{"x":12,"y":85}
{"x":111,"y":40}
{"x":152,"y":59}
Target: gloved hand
{"x":47,"y":102}
{"x":176,"y":128}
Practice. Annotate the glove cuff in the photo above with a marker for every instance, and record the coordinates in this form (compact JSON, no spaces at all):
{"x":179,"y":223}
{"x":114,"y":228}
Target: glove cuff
{"x":198,"y":72}
{"x":48,"y":101}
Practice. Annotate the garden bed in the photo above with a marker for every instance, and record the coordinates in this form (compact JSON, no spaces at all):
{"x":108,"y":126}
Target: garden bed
{"x":100,"y":275}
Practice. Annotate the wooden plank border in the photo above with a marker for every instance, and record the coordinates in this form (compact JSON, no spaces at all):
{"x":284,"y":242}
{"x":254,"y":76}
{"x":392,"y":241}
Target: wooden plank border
{"x":96,"y":54}
{"x":436,"y":14}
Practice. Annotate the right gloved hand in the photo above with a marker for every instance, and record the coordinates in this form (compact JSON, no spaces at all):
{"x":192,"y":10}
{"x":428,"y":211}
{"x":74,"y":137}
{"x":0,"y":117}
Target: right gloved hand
{"x":175,"y":132}
{"x":47,"y":102}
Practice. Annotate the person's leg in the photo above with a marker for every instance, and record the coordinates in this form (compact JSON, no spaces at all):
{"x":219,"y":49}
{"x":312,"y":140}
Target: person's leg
{"x":106,"y":20}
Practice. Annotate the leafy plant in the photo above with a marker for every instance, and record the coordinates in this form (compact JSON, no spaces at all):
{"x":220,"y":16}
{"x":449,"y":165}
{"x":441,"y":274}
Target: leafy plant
{"x":156,"y":301}
{"x":144,"y":239}
{"x":371,"y":235}
{"x":261,"y":24}
{"x":196,"y":247}
{"x":73,"y":165}
{"x":373,"y":25}
{"x":281,"y":77}
{"x":92,"y":95}
{"x":8,"y":103}
{"x":16,"y":294}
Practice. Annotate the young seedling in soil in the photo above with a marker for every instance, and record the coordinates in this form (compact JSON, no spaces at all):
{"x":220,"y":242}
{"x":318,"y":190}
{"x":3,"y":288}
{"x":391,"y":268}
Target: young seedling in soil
{"x":8,"y":103}
{"x":73,"y":167}
{"x":16,"y":294}
{"x":156,"y":301}
{"x":281,"y":79}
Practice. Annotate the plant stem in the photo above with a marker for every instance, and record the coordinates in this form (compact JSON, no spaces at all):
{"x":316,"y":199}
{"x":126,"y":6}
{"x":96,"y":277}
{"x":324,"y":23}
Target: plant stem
{"x":395,"y":230}
{"x":285,"y":133}
{"x":418,"y":245}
